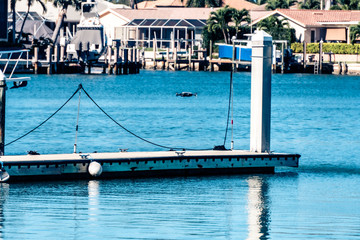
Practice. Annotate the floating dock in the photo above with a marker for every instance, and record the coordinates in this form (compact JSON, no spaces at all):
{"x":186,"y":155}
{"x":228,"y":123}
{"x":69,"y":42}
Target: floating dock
{"x":144,"y":164}
{"x":182,"y":162}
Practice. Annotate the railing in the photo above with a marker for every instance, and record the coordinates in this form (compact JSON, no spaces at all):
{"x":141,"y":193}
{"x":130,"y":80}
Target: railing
{"x":8,"y":59}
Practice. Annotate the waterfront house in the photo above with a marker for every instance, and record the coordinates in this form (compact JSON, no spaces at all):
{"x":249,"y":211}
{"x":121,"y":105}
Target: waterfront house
{"x":165,"y":25}
{"x":50,"y":16}
{"x":237,"y":4}
{"x":316,"y":25}
{"x":161,"y":3}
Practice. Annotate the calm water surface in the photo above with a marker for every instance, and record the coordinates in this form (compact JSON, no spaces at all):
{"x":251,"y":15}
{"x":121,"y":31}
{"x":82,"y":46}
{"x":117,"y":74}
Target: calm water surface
{"x":316,"y":116}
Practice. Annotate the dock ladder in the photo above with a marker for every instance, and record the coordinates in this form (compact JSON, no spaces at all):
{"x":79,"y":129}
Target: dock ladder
{"x":316,"y":67}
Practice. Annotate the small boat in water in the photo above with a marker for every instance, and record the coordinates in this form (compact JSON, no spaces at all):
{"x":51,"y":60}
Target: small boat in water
{"x":186,"y":94}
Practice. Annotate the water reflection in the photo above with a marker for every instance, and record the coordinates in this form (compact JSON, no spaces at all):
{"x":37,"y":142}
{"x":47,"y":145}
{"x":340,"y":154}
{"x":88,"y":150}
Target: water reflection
{"x":93,"y":191}
{"x":258,"y":208}
{"x":4,"y":192}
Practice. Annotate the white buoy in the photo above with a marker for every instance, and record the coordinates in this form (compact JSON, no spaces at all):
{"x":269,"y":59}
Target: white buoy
{"x":95,"y":169}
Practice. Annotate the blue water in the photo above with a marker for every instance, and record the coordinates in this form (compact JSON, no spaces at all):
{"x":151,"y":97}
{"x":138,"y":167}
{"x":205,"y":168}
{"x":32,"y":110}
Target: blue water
{"x":315,"y":116}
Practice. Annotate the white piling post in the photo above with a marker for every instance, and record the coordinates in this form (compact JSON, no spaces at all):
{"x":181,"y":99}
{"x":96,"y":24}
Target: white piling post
{"x":260,"y":92}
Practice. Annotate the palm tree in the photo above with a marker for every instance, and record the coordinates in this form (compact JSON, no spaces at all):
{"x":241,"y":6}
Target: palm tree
{"x":64,"y":4}
{"x":354,"y":33}
{"x":284,"y":4}
{"x":277,"y":28}
{"x":310,"y":4}
{"x":219,"y":21}
{"x":12,"y":6}
{"x":240,"y":16}
{"x":29,"y":4}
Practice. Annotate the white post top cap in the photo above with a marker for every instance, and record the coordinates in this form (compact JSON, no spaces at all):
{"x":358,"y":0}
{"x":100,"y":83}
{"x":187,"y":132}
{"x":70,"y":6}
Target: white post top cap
{"x":2,"y":76}
{"x":261,"y":36}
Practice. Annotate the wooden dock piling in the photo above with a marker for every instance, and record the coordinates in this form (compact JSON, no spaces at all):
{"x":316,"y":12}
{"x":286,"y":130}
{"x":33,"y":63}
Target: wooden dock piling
{"x":48,"y":59}
{"x":36,"y":60}
{"x":126,"y":61}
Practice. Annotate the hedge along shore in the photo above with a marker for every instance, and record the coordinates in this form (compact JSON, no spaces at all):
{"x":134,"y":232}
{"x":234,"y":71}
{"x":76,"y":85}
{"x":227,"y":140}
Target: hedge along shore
{"x":337,"y":58}
{"x":336,"y":48}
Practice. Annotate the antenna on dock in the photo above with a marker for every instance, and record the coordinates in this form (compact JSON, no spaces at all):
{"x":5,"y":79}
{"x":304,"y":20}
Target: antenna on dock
{"x":77,"y":120}
{"x":232,"y":92}
{"x":231,"y":102}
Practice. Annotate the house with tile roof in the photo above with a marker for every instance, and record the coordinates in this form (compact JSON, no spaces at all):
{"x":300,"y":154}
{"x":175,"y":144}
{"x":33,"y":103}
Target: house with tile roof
{"x":237,"y":4}
{"x":50,"y":16}
{"x":163,"y":24}
{"x":317,"y":25}
{"x":161,"y":3}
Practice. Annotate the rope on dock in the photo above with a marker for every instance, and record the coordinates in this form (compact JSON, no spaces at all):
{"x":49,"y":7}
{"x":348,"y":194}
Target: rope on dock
{"x":111,"y":118}
{"x":132,"y":133}
{"x":32,"y":130}
{"x":229,"y":107}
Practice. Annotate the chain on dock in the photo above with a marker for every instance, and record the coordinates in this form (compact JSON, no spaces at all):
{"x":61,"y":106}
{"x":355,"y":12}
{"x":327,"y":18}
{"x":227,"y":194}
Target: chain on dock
{"x":108,"y":115}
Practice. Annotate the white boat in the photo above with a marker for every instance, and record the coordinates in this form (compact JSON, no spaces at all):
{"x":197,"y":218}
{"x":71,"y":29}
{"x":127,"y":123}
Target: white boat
{"x":89,"y":42}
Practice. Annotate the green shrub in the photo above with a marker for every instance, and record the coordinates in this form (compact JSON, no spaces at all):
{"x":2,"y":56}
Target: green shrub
{"x":337,"y":48}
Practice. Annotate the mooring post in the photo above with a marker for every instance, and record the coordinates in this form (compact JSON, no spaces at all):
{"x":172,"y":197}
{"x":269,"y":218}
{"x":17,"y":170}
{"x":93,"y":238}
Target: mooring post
{"x":282,"y":58}
{"x":260,"y":92}
{"x":304,"y":55}
{"x":2,"y":112}
{"x":189,"y":58}
{"x":36,"y":60}
{"x":48,"y":59}
{"x":320,"y":56}
{"x":167,"y":58}
{"x":62,"y":57}
{"x":116,"y":57}
{"x":109,"y":55}
{"x":56,"y":58}
{"x":154,"y":54}
{"x":210,"y":57}
{"x":126,"y":61}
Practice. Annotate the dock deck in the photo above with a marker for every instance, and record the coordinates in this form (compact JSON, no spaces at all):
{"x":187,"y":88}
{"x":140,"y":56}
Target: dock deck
{"x":145,"y":164}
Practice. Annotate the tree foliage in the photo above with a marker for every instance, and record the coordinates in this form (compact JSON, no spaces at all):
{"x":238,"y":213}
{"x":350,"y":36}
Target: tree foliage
{"x":310,"y":4}
{"x":278,"y":28}
{"x":346,"y":5}
{"x":219,"y":22}
{"x":64,"y":4}
{"x":283,"y":4}
{"x":239,"y":17}
{"x":204,"y":3}
{"x":29,"y":4}
{"x":354,"y":33}
{"x":13,"y":10}
{"x":219,"y":27}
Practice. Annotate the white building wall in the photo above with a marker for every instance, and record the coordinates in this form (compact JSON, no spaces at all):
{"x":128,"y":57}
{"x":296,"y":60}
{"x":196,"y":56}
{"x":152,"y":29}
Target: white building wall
{"x":111,"y":24}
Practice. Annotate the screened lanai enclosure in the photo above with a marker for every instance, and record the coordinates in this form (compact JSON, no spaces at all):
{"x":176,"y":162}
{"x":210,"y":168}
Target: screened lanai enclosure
{"x":164,"y":33}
